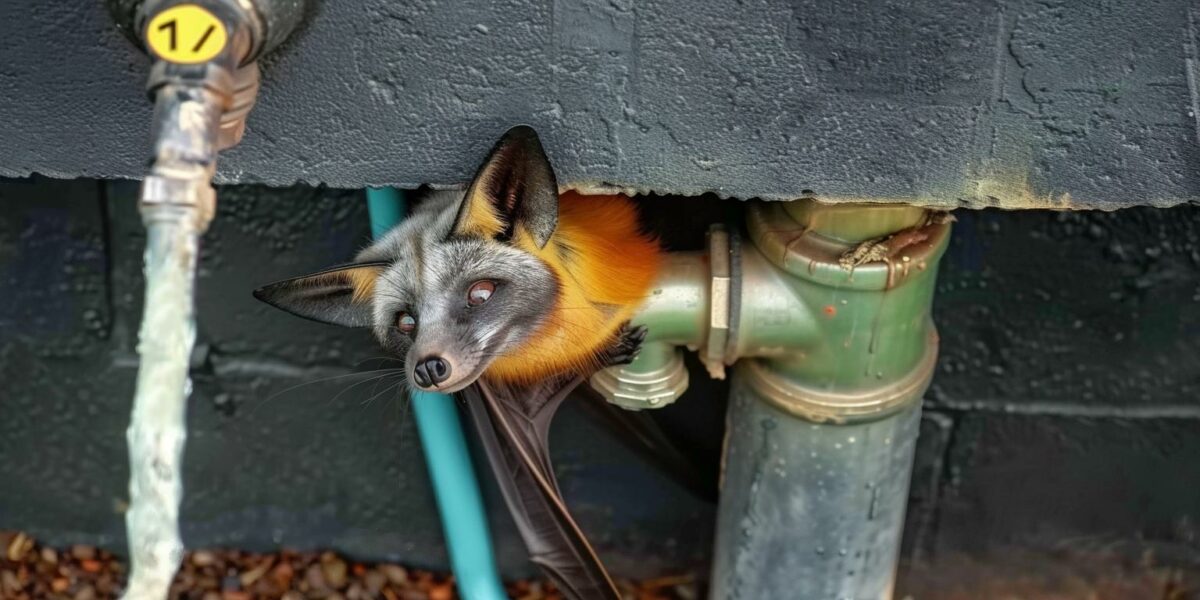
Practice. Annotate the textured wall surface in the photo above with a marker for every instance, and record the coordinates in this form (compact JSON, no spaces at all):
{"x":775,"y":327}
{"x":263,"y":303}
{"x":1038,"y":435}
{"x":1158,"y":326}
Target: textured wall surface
{"x":1066,"y":399}
{"x":1015,"y":103}
{"x":1063,"y":415}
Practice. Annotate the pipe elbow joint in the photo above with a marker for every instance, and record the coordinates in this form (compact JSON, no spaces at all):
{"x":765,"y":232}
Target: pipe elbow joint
{"x":832,"y":298}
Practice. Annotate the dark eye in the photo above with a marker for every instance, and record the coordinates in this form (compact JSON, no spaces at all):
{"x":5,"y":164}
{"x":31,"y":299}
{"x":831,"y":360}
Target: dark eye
{"x":480,"y":292}
{"x":405,"y":322}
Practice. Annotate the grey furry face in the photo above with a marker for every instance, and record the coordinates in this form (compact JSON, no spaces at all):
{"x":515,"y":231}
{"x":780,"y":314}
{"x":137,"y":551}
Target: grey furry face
{"x":434,"y":291}
{"x":429,"y":280}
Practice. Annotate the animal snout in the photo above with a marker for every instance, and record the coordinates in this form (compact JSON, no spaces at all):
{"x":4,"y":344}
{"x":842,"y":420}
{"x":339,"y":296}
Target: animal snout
{"x":431,"y":371}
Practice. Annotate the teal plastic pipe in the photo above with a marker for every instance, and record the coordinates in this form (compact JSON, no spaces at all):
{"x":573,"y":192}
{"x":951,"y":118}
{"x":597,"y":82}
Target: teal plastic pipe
{"x":454,"y":485}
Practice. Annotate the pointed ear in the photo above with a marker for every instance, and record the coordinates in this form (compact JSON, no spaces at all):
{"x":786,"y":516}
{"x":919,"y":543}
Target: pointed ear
{"x":514,"y":187}
{"x":338,"y":296}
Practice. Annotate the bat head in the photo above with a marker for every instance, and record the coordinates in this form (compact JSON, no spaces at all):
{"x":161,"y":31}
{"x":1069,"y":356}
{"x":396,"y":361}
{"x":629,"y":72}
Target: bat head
{"x":456,"y":285}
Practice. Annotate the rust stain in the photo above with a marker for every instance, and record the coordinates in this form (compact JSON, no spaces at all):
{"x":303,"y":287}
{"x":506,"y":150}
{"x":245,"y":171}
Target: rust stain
{"x":888,"y":249}
{"x":1014,"y":192}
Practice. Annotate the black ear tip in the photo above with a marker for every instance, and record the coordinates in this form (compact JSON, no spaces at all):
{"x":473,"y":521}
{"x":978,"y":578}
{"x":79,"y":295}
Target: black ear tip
{"x":522,"y":133}
{"x":274,"y":295}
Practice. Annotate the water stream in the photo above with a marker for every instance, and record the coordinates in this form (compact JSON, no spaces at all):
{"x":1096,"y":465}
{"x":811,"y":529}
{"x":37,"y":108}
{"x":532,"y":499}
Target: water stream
{"x":157,"y":428}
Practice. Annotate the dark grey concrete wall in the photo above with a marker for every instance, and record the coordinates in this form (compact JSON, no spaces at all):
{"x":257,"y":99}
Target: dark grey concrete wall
{"x":1064,"y":411}
{"x":1015,"y":103}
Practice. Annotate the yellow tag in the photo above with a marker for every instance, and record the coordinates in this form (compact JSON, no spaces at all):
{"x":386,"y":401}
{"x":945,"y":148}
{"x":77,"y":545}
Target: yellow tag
{"x":186,"y":34}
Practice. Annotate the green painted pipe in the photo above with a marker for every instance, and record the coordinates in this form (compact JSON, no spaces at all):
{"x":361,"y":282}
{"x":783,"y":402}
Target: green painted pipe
{"x":821,"y":436}
{"x":826,"y":311}
{"x":455,"y":487}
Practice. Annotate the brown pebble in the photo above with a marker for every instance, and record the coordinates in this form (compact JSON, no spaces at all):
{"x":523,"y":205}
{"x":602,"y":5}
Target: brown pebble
{"x":249,"y":577}
{"x":267,"y":588}
{"x":9,"y":583}
{"x":396,"y":574}
{"x":185,"y":579}
{"x":236,"y":595}
{"x":60,"y":584}
{"x":292,"y":595}
{"x":81,"y":552}
{"x":283,"y":574}
{"x":44,"y":570}
{"x":91,"y":566}
{"x":334,"y":570}
{"x":375,"y":581}
{"x":211,"y":596}
{"x":314,"y":578}
{"x":535,"y":588}
{"x":105,"y":585}
{"x":86,"y":592}
{"x":19,"y":545}
{"x":413,"y":594}
{"x":204,"y":559}
{"x":444,"y":591}
{"x":49,"y":556}
{"x":356,"y":592}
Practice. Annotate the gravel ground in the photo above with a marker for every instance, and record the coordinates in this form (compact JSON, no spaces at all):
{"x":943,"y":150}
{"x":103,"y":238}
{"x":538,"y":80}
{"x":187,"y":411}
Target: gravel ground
{"x":29,"y":571}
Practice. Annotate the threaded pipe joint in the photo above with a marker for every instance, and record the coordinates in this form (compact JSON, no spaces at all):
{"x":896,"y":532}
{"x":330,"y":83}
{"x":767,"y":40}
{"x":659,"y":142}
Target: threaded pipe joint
{"x":655,"y":379}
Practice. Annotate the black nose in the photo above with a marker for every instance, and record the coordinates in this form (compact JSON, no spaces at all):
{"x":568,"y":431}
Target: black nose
{"x":431,"y":370}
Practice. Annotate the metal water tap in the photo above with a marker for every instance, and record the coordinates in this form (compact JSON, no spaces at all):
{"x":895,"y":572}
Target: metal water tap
{"x":203,"y":84}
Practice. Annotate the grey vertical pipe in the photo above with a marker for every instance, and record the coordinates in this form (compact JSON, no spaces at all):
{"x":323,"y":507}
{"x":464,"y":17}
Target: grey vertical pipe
{"x":811,"y":511}
{"x":821,"y":439}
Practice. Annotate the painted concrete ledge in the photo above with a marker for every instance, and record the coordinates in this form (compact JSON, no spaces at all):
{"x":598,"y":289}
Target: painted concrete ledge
{"x":1014,"y":103}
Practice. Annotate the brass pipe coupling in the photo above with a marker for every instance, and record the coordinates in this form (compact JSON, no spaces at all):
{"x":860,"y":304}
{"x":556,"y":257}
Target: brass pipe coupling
{"x":868,"y":271}
{"x":203,"y":84}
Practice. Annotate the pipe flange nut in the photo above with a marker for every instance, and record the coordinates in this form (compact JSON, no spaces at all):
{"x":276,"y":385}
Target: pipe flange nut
{"x":160,"y":196}
{"x":637,"y":390}
{"x":720,"y":295}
